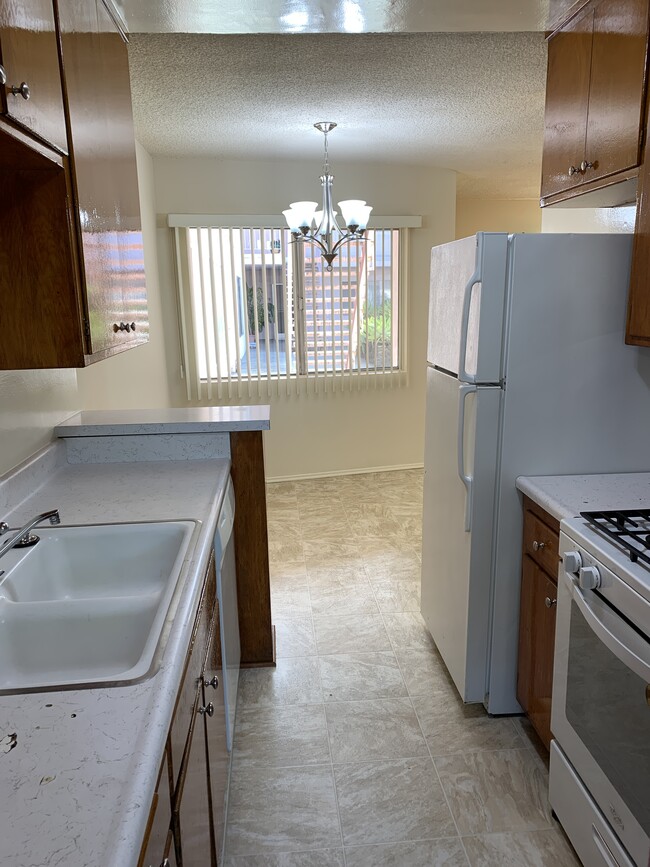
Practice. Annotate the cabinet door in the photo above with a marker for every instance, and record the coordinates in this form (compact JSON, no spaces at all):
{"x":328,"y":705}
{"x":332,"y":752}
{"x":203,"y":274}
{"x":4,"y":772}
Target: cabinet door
{"x":617,"y":87}
{"x":567,"y":99}
{"x":218,"y":755}
{"x":536,"y":645}
{"x":156,"y":847}
{"x":30,"y":57}
{"x":193,"y":828}
{"x":102,"y":147}
{"x":194,"y":669}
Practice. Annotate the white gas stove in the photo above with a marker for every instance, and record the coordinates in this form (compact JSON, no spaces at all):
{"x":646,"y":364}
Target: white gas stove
{"x":600,"y":760}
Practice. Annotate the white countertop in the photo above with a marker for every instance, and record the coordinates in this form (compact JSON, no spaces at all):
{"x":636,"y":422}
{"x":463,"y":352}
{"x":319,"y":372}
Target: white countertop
{"x":199,"y":419}
{"x":567,"y":496}
{"x":77,"y":788}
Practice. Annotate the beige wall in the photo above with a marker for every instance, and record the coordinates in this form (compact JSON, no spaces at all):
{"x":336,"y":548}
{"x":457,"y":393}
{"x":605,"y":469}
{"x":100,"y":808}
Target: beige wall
{"x":31,"y":403}
{"x":589,"y":219}
{"x":137,"y":378}
{"x":497,"y":215}
{"x":332,"y":432}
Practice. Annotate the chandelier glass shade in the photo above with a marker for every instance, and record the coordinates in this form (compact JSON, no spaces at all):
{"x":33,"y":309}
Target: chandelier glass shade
{"x":322,"y":228}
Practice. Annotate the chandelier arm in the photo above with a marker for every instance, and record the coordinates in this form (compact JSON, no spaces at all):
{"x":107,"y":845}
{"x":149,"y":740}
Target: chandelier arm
{"x":313,"y":239}
{"x":346,"y":239}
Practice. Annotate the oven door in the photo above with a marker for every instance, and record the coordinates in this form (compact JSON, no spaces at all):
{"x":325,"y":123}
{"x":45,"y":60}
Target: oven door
{"x":601,"y":712}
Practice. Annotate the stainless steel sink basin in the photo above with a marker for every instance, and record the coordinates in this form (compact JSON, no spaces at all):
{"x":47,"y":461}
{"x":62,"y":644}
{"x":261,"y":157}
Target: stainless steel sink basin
{"x":87,"y":605}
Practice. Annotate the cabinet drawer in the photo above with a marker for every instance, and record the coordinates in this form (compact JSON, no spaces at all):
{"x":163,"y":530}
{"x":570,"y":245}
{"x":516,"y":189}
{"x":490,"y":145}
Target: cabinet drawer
{"x":541,"y":543}
{"x":193,"y":676}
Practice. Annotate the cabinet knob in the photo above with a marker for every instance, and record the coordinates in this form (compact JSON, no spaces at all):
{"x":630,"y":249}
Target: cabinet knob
{"x":3,"y":76}
{"x":584,"y":165}
{"x":21,"y":90}
{"x":539,"y":546}
{"x":208,"y":709}
{"x":123,"y":326}
{"x":550,"y":602}
{"x":214,"y":683}
{"x":574,"y":170}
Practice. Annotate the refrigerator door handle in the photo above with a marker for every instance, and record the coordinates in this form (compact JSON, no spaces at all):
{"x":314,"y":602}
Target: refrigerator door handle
{"x":474,"y":280}
{"x":463,"y":375}
{"x":465,"y":479}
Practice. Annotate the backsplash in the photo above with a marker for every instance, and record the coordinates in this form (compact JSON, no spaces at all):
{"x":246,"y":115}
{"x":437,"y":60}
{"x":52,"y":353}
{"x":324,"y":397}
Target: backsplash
{"x":31,"y":403}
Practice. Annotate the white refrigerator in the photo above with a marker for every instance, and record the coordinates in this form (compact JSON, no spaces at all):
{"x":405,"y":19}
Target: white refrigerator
{"x":527,"y":374}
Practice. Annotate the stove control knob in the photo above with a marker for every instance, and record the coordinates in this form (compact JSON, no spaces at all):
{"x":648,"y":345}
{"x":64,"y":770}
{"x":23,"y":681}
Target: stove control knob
{"x":589,"y":578}
{"x":572,"y":561}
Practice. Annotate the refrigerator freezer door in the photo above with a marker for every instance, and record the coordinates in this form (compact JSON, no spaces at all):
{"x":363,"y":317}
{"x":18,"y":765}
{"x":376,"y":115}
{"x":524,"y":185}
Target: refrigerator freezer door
{"x":456,"y":563}
{"x":466,"y":307}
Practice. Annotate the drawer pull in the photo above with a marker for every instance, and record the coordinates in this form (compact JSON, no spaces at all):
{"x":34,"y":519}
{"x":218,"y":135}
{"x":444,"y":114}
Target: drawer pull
{"x":550,"y":602}
{"x":208,"y":709}
{"x":21,"y":90}
{"x":539,"y":546}
{"x":584,"y":165}
{"x":214,"y":683}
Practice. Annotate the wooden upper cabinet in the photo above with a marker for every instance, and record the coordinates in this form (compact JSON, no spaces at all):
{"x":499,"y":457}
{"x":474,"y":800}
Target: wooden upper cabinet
{"x":616,"y":109}
{"x":567,"y":99}
{"x":595,"y":98}
{"x":102,"y":150}
{"x":71,"y":253}
{"x":29,"y":55}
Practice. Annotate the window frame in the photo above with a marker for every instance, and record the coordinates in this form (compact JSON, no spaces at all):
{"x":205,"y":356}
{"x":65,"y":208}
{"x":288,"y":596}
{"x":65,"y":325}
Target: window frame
{"x":259,"y":384}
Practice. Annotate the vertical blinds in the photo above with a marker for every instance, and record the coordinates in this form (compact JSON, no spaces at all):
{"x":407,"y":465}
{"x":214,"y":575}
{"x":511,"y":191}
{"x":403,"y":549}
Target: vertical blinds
{"x":260,"y":315}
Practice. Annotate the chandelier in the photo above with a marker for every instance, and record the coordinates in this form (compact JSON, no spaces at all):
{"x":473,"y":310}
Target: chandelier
{"x":321,"y":227}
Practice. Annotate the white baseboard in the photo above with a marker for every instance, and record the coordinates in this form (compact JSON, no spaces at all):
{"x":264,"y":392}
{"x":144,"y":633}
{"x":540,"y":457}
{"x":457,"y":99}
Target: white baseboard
{"x":331,"y":473}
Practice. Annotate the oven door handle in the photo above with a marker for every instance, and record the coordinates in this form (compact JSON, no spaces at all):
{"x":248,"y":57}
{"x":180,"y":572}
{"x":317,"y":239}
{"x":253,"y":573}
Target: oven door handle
{"x":614,"y":642}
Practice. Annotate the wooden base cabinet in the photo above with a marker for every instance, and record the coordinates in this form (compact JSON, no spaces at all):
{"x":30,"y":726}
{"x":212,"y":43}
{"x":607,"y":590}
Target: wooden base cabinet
{"x":537,"y":617}
{"x":197,"y":757}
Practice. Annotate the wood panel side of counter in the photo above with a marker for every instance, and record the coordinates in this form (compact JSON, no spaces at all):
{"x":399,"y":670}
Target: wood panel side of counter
{"x":252,"y":549}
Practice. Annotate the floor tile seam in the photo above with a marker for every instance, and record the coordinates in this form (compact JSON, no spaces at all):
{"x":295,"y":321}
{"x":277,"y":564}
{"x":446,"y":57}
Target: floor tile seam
{"x":510,"y":830}
{"x":442,"y":788}
{"x":258,"y":708}
{"x":436,"y":755}
{"x":383,"y":700}
{"x":260,"y":765}
{"x":404,"y":842}
{"x":498,"y":750}
{"x":281,"y":704}
{"x":329,"y":748}
{"x":552,"y":830}
{"x":359,"y":653}
{"x":331,"y":701}
{"x":327,"y":733}
{"x":478,"y":750}
{"x":390,"y":760}
{"x":339,"y":763}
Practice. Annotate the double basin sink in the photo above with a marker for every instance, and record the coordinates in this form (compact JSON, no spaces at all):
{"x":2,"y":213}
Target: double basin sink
{"x":89,"y":606}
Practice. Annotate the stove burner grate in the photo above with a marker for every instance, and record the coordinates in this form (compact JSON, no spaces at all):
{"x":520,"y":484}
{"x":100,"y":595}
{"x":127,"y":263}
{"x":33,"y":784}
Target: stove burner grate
{"x":630,"y":530}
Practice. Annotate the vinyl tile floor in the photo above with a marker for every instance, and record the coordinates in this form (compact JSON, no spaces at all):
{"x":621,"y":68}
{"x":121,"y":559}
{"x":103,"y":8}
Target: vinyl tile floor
{"x":356,"y":751}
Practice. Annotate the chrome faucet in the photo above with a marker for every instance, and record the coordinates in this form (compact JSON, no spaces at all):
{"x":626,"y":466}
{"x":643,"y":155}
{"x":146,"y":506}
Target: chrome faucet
{"x":24,"y":538}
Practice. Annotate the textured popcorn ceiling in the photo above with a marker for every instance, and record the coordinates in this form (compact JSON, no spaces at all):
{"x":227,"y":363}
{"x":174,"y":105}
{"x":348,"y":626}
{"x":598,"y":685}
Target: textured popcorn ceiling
{"x":332,"y":16}
{"x":464,"y":101}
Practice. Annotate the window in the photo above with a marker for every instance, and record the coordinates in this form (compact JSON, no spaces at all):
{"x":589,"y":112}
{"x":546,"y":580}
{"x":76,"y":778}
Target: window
{"x":260,"y":313}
